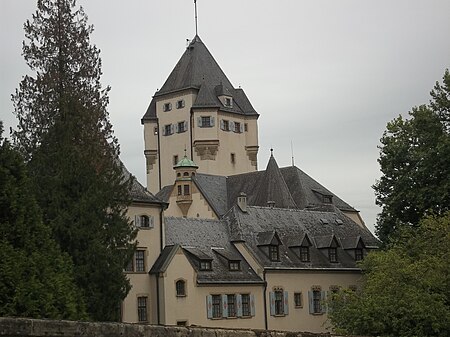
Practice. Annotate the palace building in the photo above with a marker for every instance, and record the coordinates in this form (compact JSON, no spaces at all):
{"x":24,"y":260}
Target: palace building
{"x":221,"y":244}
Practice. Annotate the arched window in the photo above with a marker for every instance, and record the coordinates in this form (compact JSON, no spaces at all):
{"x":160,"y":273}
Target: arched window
{"x":186,"y":174}
{"x":180,"y":287}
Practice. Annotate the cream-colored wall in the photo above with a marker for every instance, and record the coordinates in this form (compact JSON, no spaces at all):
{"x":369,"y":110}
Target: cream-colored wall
{"x":229,"y":141}
{"x":147,"y":239}
{"x":192,"y":307}
{"x":152,"y":165}
{"x":198,"y":209}
{"x":299,"y":319}
{"x":355,"y":217}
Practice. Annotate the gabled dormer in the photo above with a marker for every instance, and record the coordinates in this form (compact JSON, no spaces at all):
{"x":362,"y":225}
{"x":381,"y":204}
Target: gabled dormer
{"x":269,"y":243}
{"x":328,"y":245}
{"x":355,"y":246}
{"x":224,"y":95}
{"x":301,"y":246}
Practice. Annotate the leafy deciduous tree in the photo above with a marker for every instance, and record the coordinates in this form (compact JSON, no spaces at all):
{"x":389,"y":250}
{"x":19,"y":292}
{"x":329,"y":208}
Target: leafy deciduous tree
{"x":406,"y":290}
{"x":65,"y":133}
{"x":415,"y":162}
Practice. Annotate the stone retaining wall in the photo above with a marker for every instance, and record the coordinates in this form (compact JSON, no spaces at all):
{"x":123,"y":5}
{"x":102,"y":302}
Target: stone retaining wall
{"x":25,"y":327}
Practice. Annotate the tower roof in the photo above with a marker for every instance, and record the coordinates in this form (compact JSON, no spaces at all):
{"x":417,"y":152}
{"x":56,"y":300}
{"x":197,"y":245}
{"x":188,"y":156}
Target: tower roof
{"x":185,"y":162}
{"x":198,"y":70}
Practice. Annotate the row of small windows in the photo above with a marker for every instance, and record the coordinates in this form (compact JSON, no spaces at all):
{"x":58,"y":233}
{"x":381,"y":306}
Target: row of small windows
{"x":233,"y":265}
{"x":170,"y":129}
{"x":168,"y":106}
{"x":303,"y":253}
{"x":203,"y":122}
{"x":279,"y":300}
{"x":236,"y":127}
{"x":230,"y":306}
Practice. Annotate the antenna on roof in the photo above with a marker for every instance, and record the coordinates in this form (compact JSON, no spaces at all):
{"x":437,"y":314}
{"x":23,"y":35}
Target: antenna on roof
{"x":292,"y":153}
{"x":195,"y":5}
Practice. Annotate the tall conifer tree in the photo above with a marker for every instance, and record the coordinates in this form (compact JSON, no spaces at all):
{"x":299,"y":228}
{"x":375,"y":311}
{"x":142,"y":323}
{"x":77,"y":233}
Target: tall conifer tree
{"x":65,"y":133}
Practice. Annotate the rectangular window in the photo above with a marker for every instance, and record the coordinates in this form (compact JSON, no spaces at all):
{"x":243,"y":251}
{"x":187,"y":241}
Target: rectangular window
{"x":332,"y":254}
{"x":245,"y":127}
{"x":298,"y":300}
{"x":233,"y":158}
{"x":358,"y":254}
{"x":279,"y":304}
{"x":155,"y":130}
{"x":237,"y":127}
{"x":130,"y":266}
{"x":226,"y":125}
{"x":205,"y":265}
{"x":182,"y":323}
{"x":228,"y":102}
{"x":168,"y":130}
{"x":181,"y":127}
{"x":216,"y":306}
{"x":206,"y":121}
{"x":179,"y":190}
{"x":317,"y":301}
{"x":167,"y":106}
{"x":231,"y":299}
{"x":234,"y":265}
{"x":142,"y":309}
{"x":175,"y":160}
{"x":246,"y":305}
{"x":139,"y":258}
{"x":186,"y":189}
{"x":180,"y":104}
{"x":273,"y":253}
{"x":304,"y":254}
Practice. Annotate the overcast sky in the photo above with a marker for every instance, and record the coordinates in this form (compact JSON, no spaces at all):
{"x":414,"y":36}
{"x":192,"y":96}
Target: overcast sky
{"x":324,"y":75}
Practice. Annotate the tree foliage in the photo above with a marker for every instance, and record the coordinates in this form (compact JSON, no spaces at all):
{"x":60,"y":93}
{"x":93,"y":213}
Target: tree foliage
{"x":36,"y":278}
{"x":406,"y":290}
{"x":415,"y":164}
{"x":66,"y":136}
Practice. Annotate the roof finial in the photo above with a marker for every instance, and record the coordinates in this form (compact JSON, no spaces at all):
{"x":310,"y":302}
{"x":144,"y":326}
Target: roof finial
{"x":195,"y":5}
{"x":185,"y":151}
{"x":271,"y":152}
{"x":292,"y":153}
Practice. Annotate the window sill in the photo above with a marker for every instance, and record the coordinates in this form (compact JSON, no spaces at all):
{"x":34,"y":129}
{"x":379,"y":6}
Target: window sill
{"x":145,"y":228}
{"x":181,"y":296}
{"x":136,"y":272}
{"x":280,"y":315}
{"x":299,"y":307}
{"x":317,"y":313}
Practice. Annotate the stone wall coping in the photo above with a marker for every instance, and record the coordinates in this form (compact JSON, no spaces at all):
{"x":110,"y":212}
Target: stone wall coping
{"x":27,"y":327}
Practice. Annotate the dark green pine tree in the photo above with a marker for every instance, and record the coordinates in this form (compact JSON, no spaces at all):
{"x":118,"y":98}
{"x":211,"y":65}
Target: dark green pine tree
{"x":65,"y":133}
{"x":36,"y":278}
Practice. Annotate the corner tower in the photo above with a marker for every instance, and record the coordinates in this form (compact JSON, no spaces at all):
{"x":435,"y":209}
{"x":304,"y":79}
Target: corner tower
{"x":198,"y":108}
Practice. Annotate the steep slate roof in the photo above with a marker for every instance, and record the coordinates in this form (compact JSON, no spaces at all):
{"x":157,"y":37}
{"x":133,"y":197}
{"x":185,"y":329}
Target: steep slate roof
{"x":202,"y":239}
{"x":288,"y":187}
{"x":138,"y":192}
{"x":290,"y":224}
{"x":197,"y":69}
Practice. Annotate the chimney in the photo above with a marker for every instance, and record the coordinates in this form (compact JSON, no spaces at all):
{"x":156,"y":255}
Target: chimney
{"x":271,"y":204}
{"x":242,"y":201}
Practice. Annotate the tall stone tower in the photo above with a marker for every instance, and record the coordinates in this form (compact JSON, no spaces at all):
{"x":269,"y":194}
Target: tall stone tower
{"x":198,"y":110}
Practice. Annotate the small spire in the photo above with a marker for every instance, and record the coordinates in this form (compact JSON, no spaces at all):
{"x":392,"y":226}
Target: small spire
{"x":196,"y":29}
{"x":185,"y":155}
{"x":271,"y":152}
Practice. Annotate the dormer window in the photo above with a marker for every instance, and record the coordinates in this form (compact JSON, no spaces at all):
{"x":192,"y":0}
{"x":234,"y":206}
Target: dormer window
{"x":327,"y":199}
{"x":274,"y":253}
{"x":234,"y":265}
{"x":358,"y":254}
{"x":304,"y":254}
{"x":167,"y":106}
{"x":228,"y":102}
{"x":332,"y":254}
{"x":205,"y":265}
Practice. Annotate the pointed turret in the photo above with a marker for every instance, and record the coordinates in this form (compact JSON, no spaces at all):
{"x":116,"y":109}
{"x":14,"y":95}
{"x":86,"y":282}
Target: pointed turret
{"x":273,"y":190}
